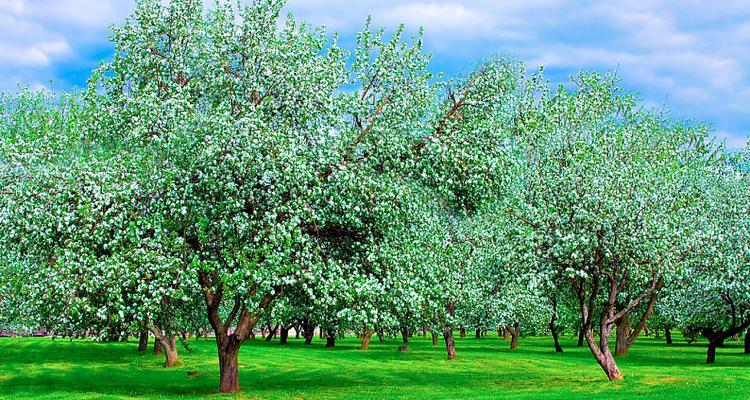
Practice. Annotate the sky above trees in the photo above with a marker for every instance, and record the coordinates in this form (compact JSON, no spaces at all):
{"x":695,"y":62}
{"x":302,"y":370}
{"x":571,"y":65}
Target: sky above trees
{"x":693,"y":56}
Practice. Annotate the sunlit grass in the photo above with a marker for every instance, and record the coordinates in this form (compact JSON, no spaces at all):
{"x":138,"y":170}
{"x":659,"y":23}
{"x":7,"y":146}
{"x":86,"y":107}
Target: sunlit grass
{"x":486,"y":369}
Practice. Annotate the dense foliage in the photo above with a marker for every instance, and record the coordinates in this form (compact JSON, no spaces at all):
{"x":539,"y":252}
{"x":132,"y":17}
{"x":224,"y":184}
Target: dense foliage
{"x":230,"y":169}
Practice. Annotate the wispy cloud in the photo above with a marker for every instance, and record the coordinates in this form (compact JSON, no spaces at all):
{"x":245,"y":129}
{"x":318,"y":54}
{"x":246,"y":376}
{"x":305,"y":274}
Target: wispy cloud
{"x":692,"y":55}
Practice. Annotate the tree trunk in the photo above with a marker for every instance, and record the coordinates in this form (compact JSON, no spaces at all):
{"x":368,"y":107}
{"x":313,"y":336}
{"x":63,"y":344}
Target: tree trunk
{"x":668,"y":335}
{"x":601,"y":351}
{"x":450,"y":344}
{"x":366,"y":336}
{"x":284,"y":335}
{"x":330,"y":338}
{"x":478,"y":333}
{"x":506,"y":334}
{"x":747,"y":342}
{"x":514,"y":333}
{"x":229,"y":371}
{"x":623,"y":334}
{"x":143,"y":341}
{"x":405,"y":335}
{"x":172,"y":359}
{"x":462,"y":331}
{"x":158,"y":349}
{"x":434,"y":338}
{"x":272,"y":333}
{"x":553,"y":328}
{"x":711,"y":354}
{"x":580,"y":337}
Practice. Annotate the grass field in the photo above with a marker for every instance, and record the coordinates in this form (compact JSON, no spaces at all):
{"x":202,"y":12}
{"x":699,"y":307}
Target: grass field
{"x":486,"y":369}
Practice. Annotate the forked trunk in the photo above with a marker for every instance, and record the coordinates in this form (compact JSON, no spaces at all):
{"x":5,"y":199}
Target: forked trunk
{"x":601,"y":351}
{"x":450,"y":344}
{"x":143,"y":341}
{"x":272,"y":333}
{"x":668,"y":335}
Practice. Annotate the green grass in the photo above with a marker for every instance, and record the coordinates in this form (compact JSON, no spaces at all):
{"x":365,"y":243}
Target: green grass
{"x":486,"y":369}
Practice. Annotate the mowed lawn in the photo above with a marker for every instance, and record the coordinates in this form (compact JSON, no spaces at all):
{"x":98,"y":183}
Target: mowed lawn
{"x":486,"y":369}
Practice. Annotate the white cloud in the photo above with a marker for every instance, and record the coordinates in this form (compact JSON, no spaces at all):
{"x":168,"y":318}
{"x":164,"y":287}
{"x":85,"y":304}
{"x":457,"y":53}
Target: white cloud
{"x":693,"y":53}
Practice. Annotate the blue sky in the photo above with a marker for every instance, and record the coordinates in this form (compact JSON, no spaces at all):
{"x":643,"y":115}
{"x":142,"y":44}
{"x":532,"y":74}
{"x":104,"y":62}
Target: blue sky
{"x":692,"y":56}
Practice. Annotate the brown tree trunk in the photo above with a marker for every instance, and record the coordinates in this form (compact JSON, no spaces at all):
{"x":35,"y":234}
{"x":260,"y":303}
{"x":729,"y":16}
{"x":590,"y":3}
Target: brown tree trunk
{"x":366,"y":340}
{"x":747,"y":342}
{"x":158,"y":349}
{"x":515,"y":331}
{"x":143,"y":341}
{"x":229,"y":370}
{"x":622,"y":336}
{"x":330,"y":338}
{"x":668,"y":335}
{"x":506,"y":334}
{"x":601,"y":351}
{"x":450,"y":344}
{"x":462,"y":331}
{"x":172,"y":359}
{"x":405,"y":335}
{"x":434,"y":338}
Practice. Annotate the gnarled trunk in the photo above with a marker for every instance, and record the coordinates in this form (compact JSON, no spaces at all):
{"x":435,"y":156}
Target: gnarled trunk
{"x":143,"y":341}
